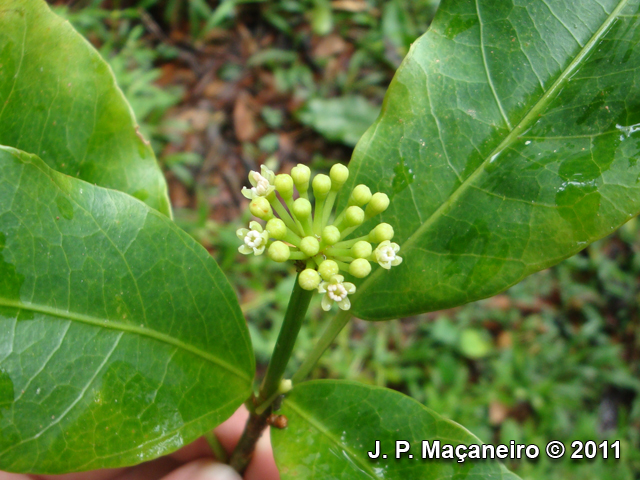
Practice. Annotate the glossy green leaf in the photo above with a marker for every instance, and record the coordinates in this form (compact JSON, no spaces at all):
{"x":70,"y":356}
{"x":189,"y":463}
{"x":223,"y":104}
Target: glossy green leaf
{"x":120,"y":338}
{"x":508,"y":141}
{"x":332,"y":425}
{"x":59,"y":100}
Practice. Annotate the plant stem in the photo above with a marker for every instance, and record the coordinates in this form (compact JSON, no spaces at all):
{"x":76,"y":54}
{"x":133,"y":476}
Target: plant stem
{"x":243,"y":453}
{"x":216,"y":447}
{"x":296,"y":311}
{"x":331,"y":332}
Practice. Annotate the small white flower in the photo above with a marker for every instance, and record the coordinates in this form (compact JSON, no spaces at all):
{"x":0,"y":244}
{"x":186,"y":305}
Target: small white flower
{"x":386,"y":254}
{"x":262,"y":183}
{"x":255,"y":239}
{"x":336,"y":290}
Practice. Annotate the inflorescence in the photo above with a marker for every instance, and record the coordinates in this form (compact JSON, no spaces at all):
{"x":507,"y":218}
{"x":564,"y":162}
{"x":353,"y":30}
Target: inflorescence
{"x":313,"y":234}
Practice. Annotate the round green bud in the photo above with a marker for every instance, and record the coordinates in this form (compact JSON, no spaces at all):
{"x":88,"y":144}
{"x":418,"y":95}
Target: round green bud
{"x":310,"y":246}
{"x":302,"y":208}
{"x":278,"y":252}
{"x":339,"y":175}
{"x":284,"y":185}
{"x":354,"y":216}
{"x":381,"y":232}
{"x":328,"y":269}
{"x":361,"y":249}
{"x":360,"y":268}
{"x":330,"y":235}
{"x":300,"y":175}
{"x":309,"y":279}
{"x":360,"y":195}
{"x":276,"y":228}
{"x":321,"y":186}
{"x":261,"y":208}
{"x":378,"y":204}
{"x":285,"y":386}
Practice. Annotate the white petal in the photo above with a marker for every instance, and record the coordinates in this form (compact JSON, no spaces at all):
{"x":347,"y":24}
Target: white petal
{"x":337,"y":279}
{"x":349,"y":287}
{"x":396,"y":247}
{"x":326,"y":303}
{"x":248,"y":193}
{"x":252,"y":179}
{"x":345,"y":304}
{"x":258,"y":251}
{"x":241,"y":233}
{"x":386,"y":265}
{"x":245,"y":249}
{"x":396,"y":261}
{"x":322,"y":288}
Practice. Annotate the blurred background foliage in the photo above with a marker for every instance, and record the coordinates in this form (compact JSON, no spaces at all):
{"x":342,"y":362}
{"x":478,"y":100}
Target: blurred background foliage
{"x":222,"y":87}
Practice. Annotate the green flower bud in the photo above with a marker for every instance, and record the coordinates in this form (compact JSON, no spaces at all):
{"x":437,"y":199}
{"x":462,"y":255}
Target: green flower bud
{"x":339,"y":175}
{"x":300,"y":175}
{"x":328,"y":269}
{"x":330,"y":235}
{"x":310,"y":246}
{"x":360,"y":196}
{"x":321,"y":186}
{"x":361,"y":249}
{"x":284,"y":185}
{"x":360,"y":268}
{"x":278,"y":252}
{"x":302,"y":208}
{"x":276,"y":228}
{"x":378,"y":204}
{"x":381,"y":232}
{"x":261,"y":208}
{"x":309,"y":279}
{"x":285,"y":385}
{"x":354,"y":216}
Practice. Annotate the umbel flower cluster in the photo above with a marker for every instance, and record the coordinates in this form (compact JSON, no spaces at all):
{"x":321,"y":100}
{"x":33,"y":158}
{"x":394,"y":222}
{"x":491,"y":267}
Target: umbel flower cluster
{"x":297,"y":230}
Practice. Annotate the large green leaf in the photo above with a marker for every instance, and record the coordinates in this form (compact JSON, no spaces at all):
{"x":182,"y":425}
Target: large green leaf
{"x":508,"y":141}
{"x":120,"y":338}
{"x":332,"y":425}
{"x":59,"y":100}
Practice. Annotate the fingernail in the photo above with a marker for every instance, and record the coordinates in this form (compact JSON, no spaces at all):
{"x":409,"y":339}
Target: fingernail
{"x":217,"y":471}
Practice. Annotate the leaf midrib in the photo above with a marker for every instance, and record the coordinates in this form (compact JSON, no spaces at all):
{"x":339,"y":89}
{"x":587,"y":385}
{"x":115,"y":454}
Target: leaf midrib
{"x":318,"y":426}
{"x":124,"y":327}
{"x":527,"y":121}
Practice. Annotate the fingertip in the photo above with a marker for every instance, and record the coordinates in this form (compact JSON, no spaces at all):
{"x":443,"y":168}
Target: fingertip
{"x":203,"y":470}
{"x":217,"y":471}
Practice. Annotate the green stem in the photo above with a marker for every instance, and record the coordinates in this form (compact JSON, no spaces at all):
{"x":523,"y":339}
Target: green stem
{"x":216,"y":447}
{"x":296,"y":311}
{"x":352,"y":242}
{"x":328,"y":206}
{"x":289,"y":203}
{"x":318,"y":214}
{"x":292,"y":238}
{"x":331,"y":332}
{"x":342,"y":252}
{"x":347,"y":231}
{"x":282,"y":212}
{"x":343,"y":263}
